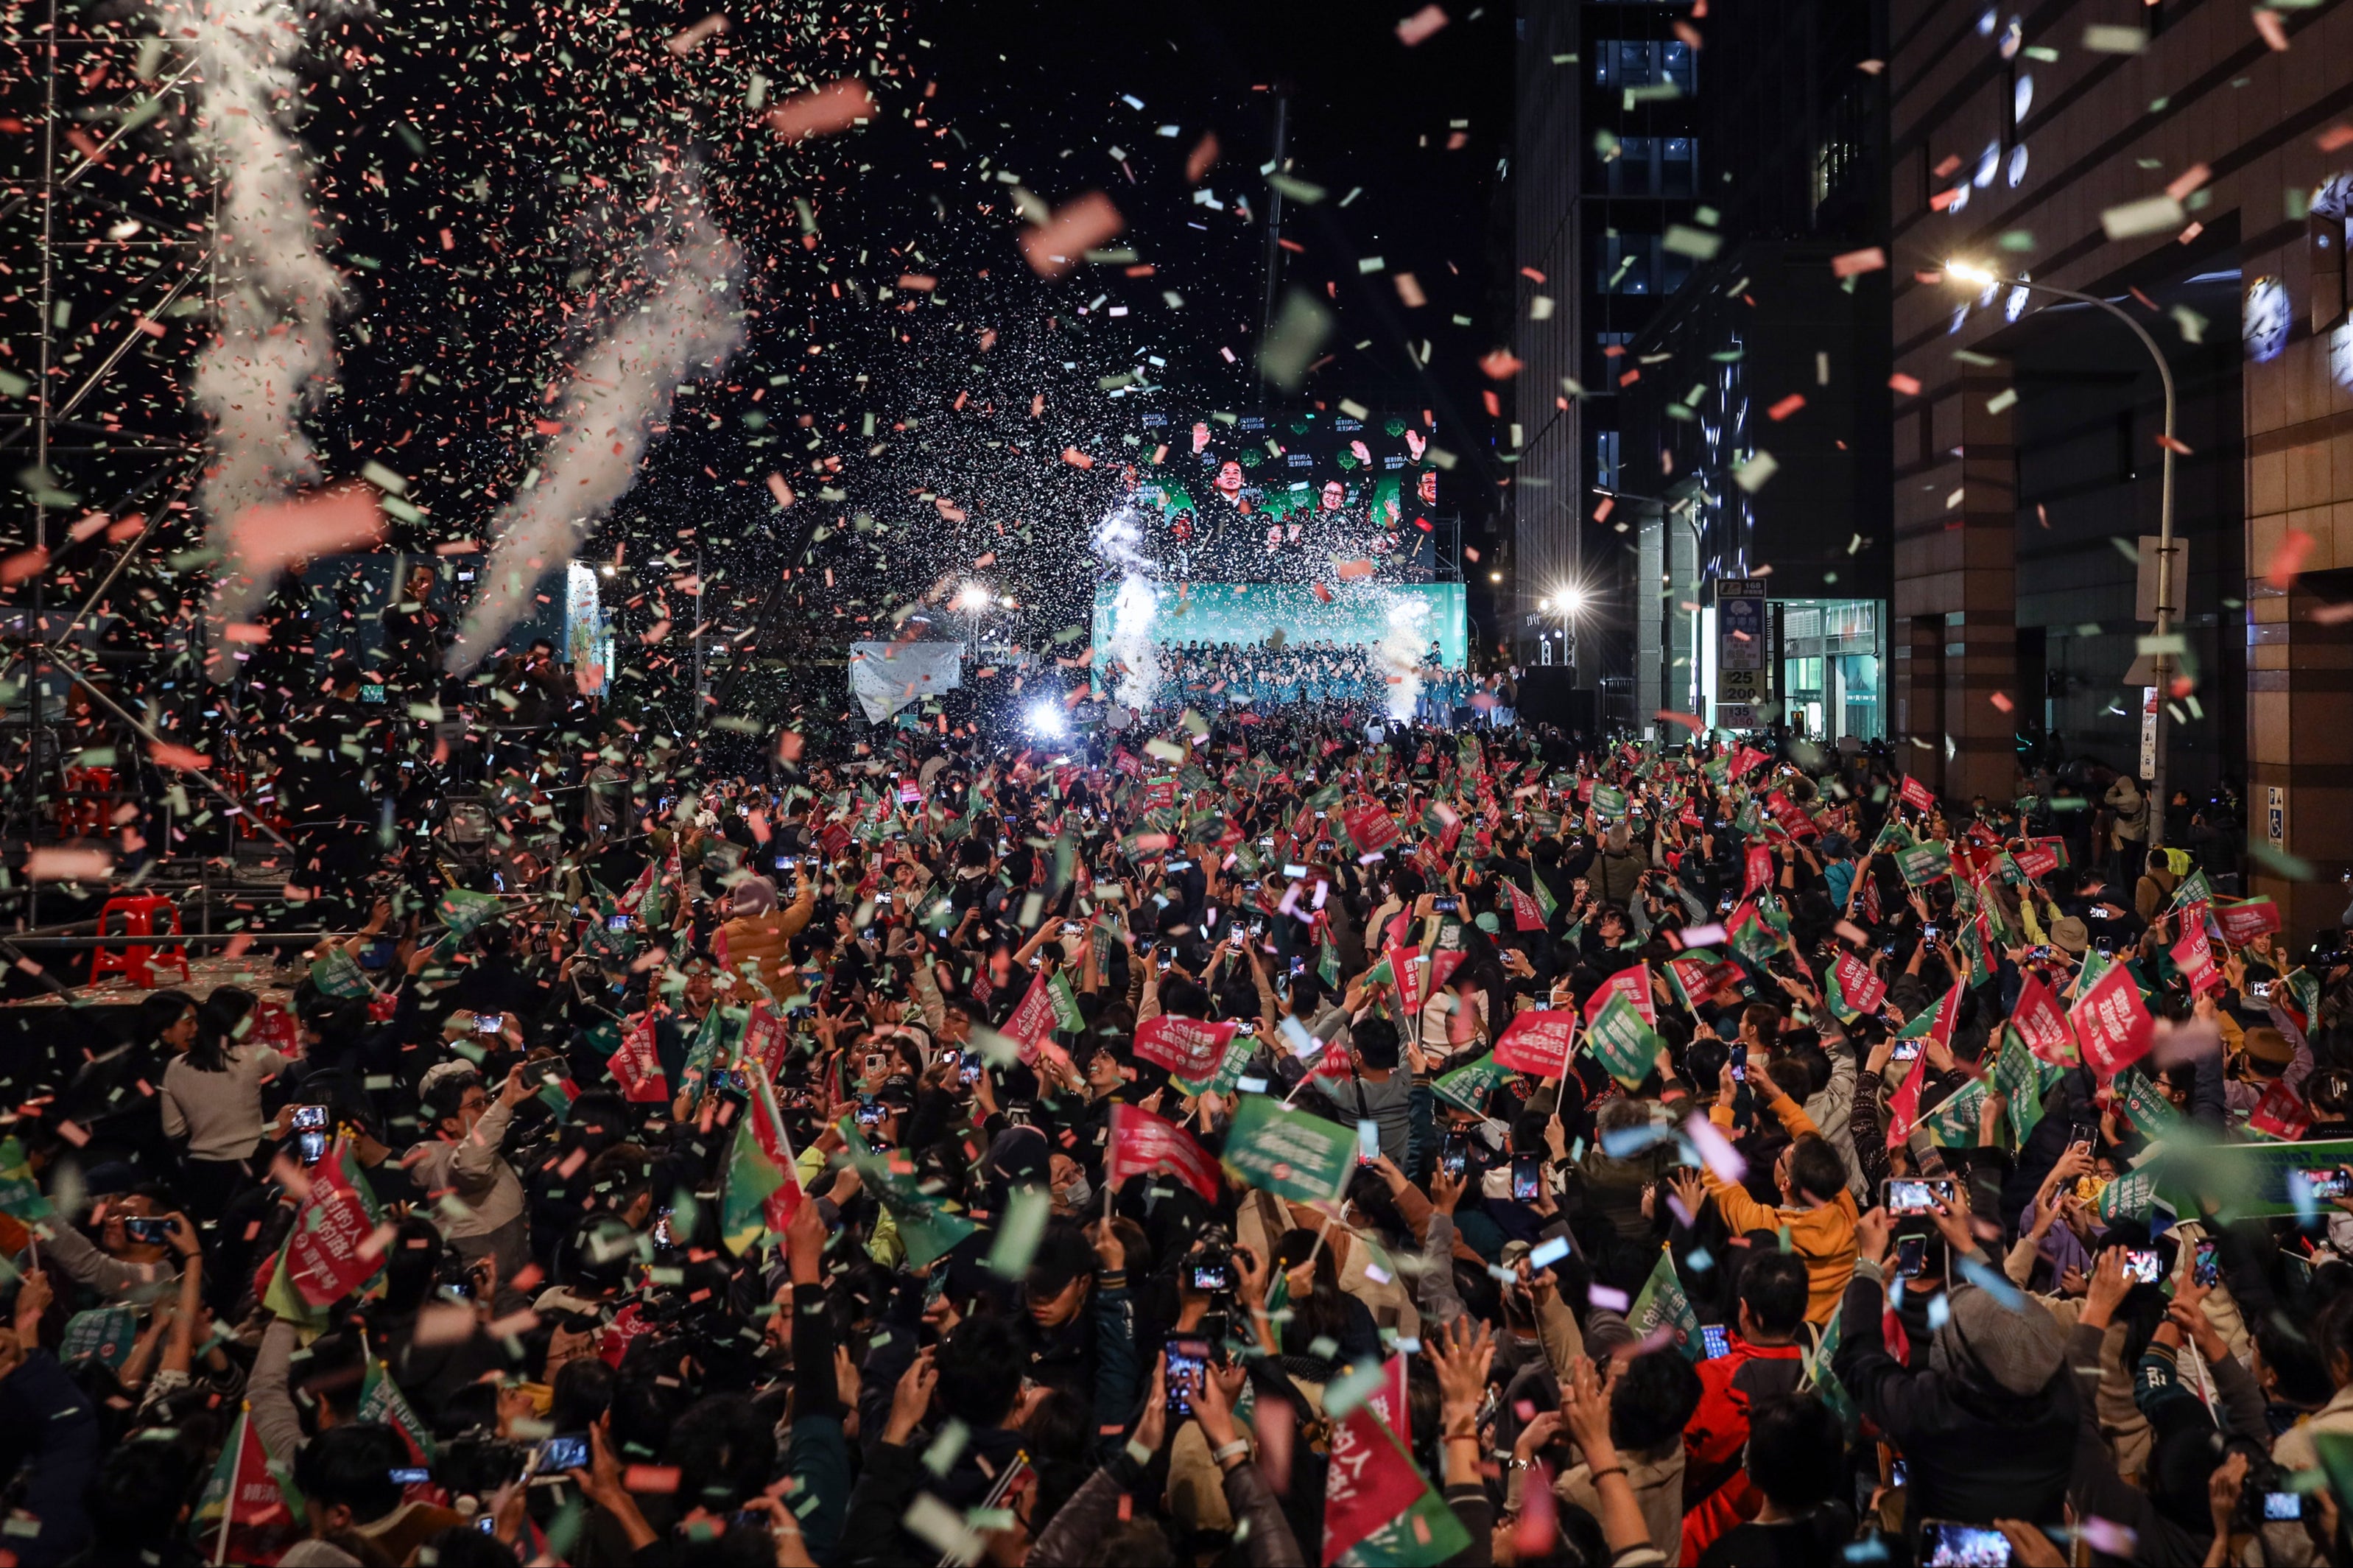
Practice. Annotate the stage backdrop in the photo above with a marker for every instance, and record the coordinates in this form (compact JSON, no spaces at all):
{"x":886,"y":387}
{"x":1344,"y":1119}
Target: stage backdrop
{"x":1358,"y":614}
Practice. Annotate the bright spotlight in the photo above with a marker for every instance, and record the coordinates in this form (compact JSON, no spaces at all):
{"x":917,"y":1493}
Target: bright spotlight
{"x":1045,"y":717}
{"x":1545,"y":605}
{"x":1571,"y":601}
{"x":972,"y":596}
{"x":1970,"y":272}
{"x":1494,"y":576}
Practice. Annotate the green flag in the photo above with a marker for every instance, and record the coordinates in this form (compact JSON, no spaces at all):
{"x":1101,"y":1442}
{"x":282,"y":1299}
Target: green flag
{"x":1621,"y":1042}
{"x":1662,"y":1304}
{"x":1468,"y":1085}
{"x":1289,"y":1152}
{"x":21,"y":1197}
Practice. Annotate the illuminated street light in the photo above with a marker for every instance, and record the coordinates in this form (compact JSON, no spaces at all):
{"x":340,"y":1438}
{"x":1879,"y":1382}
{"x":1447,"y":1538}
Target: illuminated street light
{"x":2161,"y":667}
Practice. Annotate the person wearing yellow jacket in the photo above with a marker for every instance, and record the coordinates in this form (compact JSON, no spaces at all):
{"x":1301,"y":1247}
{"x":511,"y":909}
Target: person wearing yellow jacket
{"x":1817,"y":1208}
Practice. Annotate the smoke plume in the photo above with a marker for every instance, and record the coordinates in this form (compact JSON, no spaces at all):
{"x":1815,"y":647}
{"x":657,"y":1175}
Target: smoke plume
{"x":273,"y":354}
{"x":620,"y":388}
{"x":1401,"y":651}
{"x":1118,"y":543}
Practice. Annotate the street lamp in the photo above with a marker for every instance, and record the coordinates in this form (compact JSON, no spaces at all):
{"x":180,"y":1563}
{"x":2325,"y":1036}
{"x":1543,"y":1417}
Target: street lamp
{"x":2161,"y":664}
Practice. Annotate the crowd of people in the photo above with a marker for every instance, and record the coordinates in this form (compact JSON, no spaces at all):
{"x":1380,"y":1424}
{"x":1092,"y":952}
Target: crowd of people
{"x":1245,"y":1142}
{"x":1343,"y":677}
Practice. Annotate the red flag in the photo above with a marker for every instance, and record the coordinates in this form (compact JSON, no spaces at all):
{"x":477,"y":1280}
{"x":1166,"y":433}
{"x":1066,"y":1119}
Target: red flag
{"x":1904,"y":1105}
{"x":1142,"y":1143}
{"x":1916,"y":796}
{"x":1187,"y":1047}
{"x":1404,"y":970}
{"x":2281,"y":1113}
{"x":1372,"y":827}
{"x":1526,"y":913}
{"x":2040,"y":1023}
{"x":1760,"y":870}
{"x":243,"y":1511}
{"x":2195,"y":958}
{"x":1746,"y":758}
{"x":1032,"y":1023}
{"x":637,"y":1066}
{"x":1377,"y":1506}
{"x":1634,"y":985}
{"x":1864,"y":992}
{"x":1538,"y":1041}
{"x":2112,"y":1027}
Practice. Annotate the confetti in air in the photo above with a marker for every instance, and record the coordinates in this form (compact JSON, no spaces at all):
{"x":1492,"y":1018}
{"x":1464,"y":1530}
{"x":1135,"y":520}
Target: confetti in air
{"x":621,"y":388}
{"x":1118,"y":543}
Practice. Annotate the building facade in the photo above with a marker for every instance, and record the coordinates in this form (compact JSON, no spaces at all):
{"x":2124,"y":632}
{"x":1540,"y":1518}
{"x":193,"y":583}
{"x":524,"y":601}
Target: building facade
{"x":2175,"y":161}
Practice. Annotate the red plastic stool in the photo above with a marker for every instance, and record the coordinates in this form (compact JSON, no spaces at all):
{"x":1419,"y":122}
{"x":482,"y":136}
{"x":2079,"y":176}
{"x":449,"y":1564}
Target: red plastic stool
{"x":137,"y":961}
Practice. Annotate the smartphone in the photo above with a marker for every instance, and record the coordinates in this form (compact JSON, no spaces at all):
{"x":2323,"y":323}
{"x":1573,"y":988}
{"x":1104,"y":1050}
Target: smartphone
{"x":2325,"y":1181}
{"x":1716,"y":1341}
{"x":1898,"y":1473}
{"x":870,"y":1113}
{"x":371,"y":691}
{"x":617,"y":923}
{"x":487,"y":1022}
{"x":730,"y":1080}
{"x":1948,"y":1543}
{"x":2260,"y":991}
{"x":1740,"y":1069}
{"x":488,"y":1524}
{"x":153,"y":1230}
{"x":877,"y":1062}
{"x":1189,"y":1362}
{"x":973,"y":1065}
{"x":2082,"y":1134}
{"x":1070,"y":927}
{"x":1447,"y":904}
{"x":310,"y":1117}
{"x":1295,"y":872}
{"x":1369,"y":1142}
{"x":1928,"y":933}
{"x":311,"y":1146}
{"x":664,"y":1236}
{"x":1527,"y":1178}
{"x":1906,"y":1051}
{"x":1915,"y":1194}
{"x":2280,"y":1507}
{"x":786,"y":862}
{"x":563,"y":1452}
{"x":2142,"y":1263}
{"x":1455,"y":1158}
{"x":2206,"y":1264}
{"x":410,"y":1478}
{"x":1911,"y":1257}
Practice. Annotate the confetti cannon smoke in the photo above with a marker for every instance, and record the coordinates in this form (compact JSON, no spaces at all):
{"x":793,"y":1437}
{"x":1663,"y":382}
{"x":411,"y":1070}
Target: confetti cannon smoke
{"x":1118,"y":543}
{"x":273,"y":355}
{"x":1401,"y":650}
{"x":620,"y":388}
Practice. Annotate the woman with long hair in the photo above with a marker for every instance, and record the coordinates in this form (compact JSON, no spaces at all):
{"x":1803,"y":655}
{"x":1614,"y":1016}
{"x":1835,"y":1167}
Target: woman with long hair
{"x":212,"y":1101}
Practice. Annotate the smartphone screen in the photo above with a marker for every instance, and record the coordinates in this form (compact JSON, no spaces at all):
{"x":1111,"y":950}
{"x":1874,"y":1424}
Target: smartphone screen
{"x":310,"y":1117}
{"x":2206,"y":1267}
{"x":1915,"y":1194}
{"x":2326,"y":1182}
{"x":312,"y":1147}
{"x":2283,"y":1506}
{"x":1948,"y":1543}
{"x":1369,"y":1142}
{"x":1188,"y":1361}
{"x":2142,"y":1263}
{"x":1527,"y":1178}
{"x":1716,"y":1340}
{"x":1911,"y":1257}
{"x":1455,"y":1158}
{"x":617,"y":923}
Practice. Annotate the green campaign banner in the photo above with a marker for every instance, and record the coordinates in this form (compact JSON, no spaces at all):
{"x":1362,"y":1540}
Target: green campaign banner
{"x":1621,"y":1042}
{"x":1289,"y":1152}
{"x":2247,"y":1179}
{"x":1662,"y":1305}
{"x":1924,"y":863}
{"x":1468,"y":1085}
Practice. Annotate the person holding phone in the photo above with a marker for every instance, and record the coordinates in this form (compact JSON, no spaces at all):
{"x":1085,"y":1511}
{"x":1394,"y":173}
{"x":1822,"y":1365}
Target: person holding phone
{"x":1765,"y":1363}
{"x":1817,"y":1205}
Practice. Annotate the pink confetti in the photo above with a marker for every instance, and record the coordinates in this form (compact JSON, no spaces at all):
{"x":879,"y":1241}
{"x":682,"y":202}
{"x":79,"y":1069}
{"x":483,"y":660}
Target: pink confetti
{"x":1056,"y":245}
{"x":69,"y":866}
{"x":1421,"y":24}
{"x":836,"y":106}
{"x":325,"y":522}
{"x":1870,"y":259}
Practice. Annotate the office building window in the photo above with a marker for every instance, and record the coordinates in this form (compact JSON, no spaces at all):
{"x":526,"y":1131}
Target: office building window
{"x":1605,"y":459}
{"x":1644,"y":62}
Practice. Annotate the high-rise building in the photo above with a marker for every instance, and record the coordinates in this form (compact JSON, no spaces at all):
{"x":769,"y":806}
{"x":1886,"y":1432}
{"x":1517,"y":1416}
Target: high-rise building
{"x":1753,"y":407}
{"x":1607,"y":165}
{"x":2188,"y":167}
